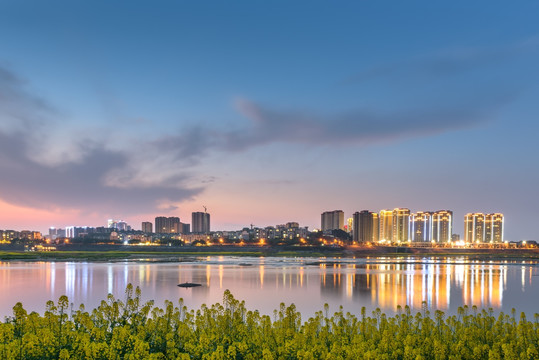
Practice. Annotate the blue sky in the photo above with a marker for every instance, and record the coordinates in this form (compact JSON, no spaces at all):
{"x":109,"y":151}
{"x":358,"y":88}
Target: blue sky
{"x":267,"y":112}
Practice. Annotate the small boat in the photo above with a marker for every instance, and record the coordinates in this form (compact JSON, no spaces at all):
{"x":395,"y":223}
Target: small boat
{"x":245,"y":264}
{"x":188,"y":285}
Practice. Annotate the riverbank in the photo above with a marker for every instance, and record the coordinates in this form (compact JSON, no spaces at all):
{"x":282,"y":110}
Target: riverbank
{"x":75,"y":252}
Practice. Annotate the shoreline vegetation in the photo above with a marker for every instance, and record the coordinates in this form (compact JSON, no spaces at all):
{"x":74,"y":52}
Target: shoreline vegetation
{"x":130,"y":329}
{"x":155,"y":253}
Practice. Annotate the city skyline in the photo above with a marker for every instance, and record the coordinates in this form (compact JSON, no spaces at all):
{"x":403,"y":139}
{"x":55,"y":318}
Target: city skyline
{"x":267,"y":113}
{"x":397,"y":225}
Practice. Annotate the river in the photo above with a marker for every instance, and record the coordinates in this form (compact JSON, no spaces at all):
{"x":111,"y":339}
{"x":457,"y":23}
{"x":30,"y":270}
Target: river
{"x":436,"y":283}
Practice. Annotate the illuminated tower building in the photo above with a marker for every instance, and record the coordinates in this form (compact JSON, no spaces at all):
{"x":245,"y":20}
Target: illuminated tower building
{"x":401,"y":220}
{"x":494,"y":228}
{"x":332,"y":220}
{"x":386,"y":225}
{"x":200,"y":222}
{"x":349,"y":225}
{"x":375,"y":227}
{"x":474,"y":228}
{"x":421,"y":226}
{"x":442,"y":226}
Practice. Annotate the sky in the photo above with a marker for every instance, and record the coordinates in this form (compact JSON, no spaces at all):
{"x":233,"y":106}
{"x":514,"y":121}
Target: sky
{"x":267,"y":112}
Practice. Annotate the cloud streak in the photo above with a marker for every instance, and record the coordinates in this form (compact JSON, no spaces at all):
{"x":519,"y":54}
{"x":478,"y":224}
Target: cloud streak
{"x":449,"y":62}
{"x":358,"y":127}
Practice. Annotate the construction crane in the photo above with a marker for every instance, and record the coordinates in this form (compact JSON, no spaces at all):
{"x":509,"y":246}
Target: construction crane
{"x":205,"y":208}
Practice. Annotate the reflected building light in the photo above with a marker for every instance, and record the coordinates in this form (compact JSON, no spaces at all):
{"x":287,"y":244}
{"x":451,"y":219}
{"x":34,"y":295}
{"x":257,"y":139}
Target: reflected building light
{"x":447,"y":285}
{"x":436,"y":285}
{"x":504,"y":277}
{"x":126,"y":277}
{"x":53,"y":276}
{"x":349,"y":285}
{"x":501,"y":279}
{"x":261,"y":276}
{"x":84,"y":276}
{"x":141,"y":273}
{"x":221,"y":271}
{"x":497,"y":292}
{"x":483,"y":285}
{"x":465,"y":287}
{"x":301,"y":274}
{"x":110,"y":279}
{"x":432,"y":290}
{"x":490,"y":287}
{"x":410,"y":285}
{"x":523,"y":277}
{"x":424,"y":284}
{"x":208,"y":274}
{"x":70,"y":279}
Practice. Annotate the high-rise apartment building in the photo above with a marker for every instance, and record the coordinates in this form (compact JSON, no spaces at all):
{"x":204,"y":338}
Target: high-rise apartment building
{"x":355,"y":226}
{"x":185,"y":228}
{"x":494,"y":228}
{"x":401,"y":222}
{"x":333,"y":220}
{"x":200,"y":222}
{"x":167,"y":225}
{"x":350,"y":225}
{"x":386,"y":225}
{"x":363,"y":226}
{"x":474,"y":228}
{"x":421,"y":226}
{"x":375,"y":227}
{"x":442,"y":226}
{"x":147,"y":227}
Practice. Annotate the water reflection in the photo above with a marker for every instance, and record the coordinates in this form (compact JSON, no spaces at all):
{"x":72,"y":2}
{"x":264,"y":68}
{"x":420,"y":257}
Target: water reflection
{"x":391,"y":285}
{"x":386,"y":283}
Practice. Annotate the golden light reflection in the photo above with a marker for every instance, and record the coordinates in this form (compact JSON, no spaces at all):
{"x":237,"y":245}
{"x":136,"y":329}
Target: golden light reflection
{"x":390,"y":285}
{"x":221,"y":271}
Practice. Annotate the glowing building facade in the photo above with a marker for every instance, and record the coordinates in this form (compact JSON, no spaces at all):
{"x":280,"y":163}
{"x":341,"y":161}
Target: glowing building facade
{"x":401,"y":222}
{"x":474,"y":228}
{"x":442,"y":226}
{"x":375,"y":227}
{"x":386,"y":225}
{"x":494,"y":228}
{"x":421,"y":226}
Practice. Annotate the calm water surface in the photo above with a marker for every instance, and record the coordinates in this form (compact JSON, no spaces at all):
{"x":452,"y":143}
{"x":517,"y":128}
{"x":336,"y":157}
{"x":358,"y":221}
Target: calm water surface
{"x":443,"y":283}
